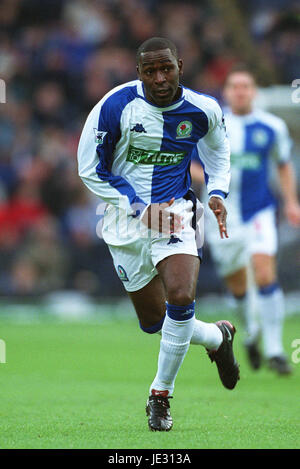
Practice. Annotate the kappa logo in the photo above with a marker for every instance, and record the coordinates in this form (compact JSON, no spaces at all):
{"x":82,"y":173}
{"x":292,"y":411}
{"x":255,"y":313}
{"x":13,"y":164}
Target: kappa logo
{"x":99,"y":136}
{"x":122,"y":274}
{"x":138,"y":128}
{"x":174,"y":240}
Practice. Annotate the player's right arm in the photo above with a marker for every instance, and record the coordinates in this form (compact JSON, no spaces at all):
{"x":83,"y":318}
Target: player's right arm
{"x":288,"y":187}
{"x":96,"y":148}
{"x":287,"y":180}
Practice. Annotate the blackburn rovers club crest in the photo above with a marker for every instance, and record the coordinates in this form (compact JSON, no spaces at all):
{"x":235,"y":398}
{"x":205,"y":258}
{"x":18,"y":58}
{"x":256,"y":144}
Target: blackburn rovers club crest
{"x":122,"y":274}
{"x":184,"y":129}
{"x":260,"y":137}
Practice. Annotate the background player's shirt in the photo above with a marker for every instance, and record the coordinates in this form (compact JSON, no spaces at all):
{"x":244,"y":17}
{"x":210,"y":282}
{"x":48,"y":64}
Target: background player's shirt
{"x":133,"y":152}
{"x":256,"y":140}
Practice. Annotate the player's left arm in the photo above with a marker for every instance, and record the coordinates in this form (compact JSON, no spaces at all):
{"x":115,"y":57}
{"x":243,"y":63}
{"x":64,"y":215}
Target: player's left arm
{"x":196,"y":168}
{"x":288,"y":187}
{"x":214,"y":153}
{"x":217,"y":206}
{"x":286,"y":173}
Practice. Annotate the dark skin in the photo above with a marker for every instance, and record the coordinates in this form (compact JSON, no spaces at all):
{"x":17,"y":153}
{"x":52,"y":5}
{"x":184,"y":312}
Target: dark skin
{"x":160,"y":72}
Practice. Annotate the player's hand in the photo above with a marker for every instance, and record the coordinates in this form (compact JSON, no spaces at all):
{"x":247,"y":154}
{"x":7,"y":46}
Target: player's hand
{"x":218,"y":208}
{"x":292,"y":213}
{"x":157,"y":218}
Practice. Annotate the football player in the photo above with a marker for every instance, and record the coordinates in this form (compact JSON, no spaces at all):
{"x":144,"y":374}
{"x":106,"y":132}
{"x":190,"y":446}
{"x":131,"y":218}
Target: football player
{"x":135,"y":154}
{"x":257,"y":138}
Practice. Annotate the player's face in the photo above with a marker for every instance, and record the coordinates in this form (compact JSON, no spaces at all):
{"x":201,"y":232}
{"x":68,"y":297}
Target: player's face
{"x":160,"y":71}
{"x":239,"y":92}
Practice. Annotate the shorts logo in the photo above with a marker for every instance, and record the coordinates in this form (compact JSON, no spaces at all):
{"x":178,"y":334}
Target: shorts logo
{"x":122,"y":274}
{"x":99,"y":136}
{"x":184,"y":129}
{"x":174,"y":240}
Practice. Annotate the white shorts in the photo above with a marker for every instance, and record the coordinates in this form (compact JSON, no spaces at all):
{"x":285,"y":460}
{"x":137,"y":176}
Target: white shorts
{"x":135,"y":259}
{"x":257,"y":236}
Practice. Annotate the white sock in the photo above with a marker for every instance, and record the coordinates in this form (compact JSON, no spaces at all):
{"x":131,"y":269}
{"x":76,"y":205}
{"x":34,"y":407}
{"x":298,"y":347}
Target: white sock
{"x":206,"y":334}
{"x":246,"y":312}
{"x":271,"y":310}
{"x":174,"y":344}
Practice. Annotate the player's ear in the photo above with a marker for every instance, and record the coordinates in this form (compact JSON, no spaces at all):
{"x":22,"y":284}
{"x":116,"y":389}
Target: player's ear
{"x":138,"y":71}
{"x":180,"y":66}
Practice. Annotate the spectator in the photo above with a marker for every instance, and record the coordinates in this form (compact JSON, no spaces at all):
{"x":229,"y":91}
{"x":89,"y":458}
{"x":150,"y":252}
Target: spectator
{"x":58,"y":58}
{"x":41,"y":264}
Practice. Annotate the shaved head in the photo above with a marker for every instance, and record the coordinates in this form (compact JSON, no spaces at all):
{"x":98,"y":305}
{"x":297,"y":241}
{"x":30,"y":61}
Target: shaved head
{"x":154,"y":44}
{"x":159,"y":68}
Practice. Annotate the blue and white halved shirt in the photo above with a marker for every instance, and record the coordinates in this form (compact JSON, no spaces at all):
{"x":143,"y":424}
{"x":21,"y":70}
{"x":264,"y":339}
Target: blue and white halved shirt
{"x":133,"y":152}
{"x":257,"y":140}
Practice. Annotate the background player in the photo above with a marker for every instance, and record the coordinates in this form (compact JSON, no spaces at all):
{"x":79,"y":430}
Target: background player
{"x":256,"y":138}
{"x":135,"y":152}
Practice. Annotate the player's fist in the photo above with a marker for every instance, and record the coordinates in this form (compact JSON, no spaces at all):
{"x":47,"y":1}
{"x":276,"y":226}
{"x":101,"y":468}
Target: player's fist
{"x":292,"y":213}
{"x":158,"y":218}
{"x":217,"y":206}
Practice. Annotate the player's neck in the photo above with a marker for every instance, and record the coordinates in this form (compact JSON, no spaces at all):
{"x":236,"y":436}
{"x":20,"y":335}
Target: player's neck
{"x":242,"y":111}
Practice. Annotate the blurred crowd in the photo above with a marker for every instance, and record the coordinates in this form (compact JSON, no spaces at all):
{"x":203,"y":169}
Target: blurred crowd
{"x":58,"y":58}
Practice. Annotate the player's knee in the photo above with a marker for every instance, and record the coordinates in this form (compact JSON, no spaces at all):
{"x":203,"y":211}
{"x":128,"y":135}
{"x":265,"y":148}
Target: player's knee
{"x":264,"y":278}
{"x":152,"y":327}
{"x":180,"y":296}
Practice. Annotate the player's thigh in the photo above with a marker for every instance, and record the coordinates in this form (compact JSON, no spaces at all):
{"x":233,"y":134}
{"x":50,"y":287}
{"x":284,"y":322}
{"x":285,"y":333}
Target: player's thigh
{"x":263,"y":246}
{"x":179,"y":275}
{"x":133,"y":264}
{"x":150,"y":302}
{"x":176,"y":257}
{"x":230,"y":255}
{"x":263,"y":233}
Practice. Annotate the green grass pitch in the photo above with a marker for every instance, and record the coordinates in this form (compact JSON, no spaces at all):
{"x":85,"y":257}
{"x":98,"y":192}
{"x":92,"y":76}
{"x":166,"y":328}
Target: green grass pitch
{"x":83,"y":385}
